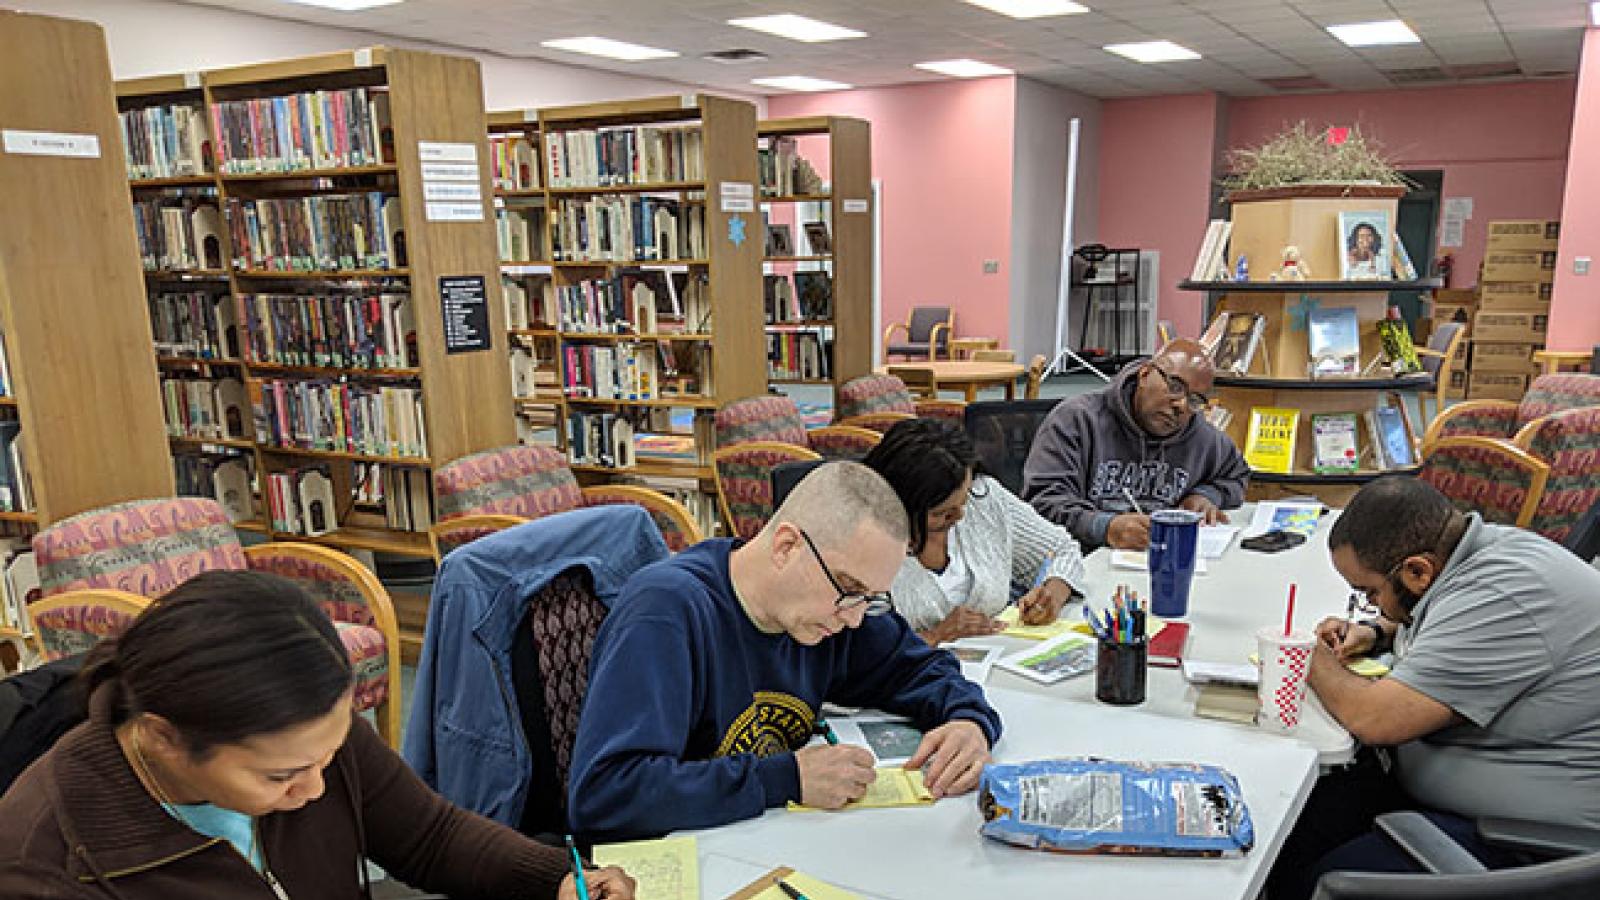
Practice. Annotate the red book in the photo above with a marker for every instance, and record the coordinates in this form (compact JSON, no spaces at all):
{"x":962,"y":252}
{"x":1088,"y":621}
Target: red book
{"x":1166,"y":648}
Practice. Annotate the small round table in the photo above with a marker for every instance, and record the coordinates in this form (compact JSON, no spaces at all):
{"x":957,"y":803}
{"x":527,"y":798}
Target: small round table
{"x":969,"y":376}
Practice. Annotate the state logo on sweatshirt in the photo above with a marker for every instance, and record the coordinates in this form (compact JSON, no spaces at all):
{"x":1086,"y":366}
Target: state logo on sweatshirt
{"x":773,"y":723}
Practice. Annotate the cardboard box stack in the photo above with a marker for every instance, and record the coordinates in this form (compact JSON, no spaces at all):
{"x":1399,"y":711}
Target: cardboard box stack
{"x":1513,"y":306}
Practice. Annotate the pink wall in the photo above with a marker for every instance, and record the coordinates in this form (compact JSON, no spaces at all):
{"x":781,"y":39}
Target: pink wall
{"x":1156,"y":158}
{"x":1503,"y":145}
{"x":943,"y":152}
{"x":1574,"y":314}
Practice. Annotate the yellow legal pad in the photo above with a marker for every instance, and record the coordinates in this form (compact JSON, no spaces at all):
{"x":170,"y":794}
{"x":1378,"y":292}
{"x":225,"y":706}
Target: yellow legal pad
{"x":894,"y":786}
{"x":766,"y":887}
{"x":665,"y":869}
{"x":1012,"y":617}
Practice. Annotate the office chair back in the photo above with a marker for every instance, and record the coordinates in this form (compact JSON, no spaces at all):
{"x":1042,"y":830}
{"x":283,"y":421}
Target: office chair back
{"x":1584,"y":538}
{"x":786,"y":475}
{"x":1574,"y":878}
{"x":1002,"y":433}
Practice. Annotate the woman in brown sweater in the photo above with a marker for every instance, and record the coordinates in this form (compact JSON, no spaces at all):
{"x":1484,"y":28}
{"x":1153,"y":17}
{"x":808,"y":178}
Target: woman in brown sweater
{"x":221,"y":758}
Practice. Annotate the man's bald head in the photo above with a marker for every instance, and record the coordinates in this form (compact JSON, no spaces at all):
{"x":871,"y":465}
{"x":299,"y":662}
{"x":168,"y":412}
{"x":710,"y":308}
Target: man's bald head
{"x":1178,"y":375}
{"x":1187,"y":360}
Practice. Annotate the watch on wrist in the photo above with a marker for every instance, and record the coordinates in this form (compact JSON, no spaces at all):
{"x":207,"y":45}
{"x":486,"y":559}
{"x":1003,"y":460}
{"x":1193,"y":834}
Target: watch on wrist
{"x":1380,"y":643}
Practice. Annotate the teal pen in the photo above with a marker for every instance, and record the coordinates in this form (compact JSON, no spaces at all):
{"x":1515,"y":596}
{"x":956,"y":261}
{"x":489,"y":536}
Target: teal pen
{"x":1044,"y":570}
{"x":577,"y":870}
{"x":826,"y":730}
{"x":793,"y":892}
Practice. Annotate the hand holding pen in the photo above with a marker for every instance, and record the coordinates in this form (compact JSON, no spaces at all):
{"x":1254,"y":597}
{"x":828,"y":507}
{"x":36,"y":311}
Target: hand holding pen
{"x":609,"y":883}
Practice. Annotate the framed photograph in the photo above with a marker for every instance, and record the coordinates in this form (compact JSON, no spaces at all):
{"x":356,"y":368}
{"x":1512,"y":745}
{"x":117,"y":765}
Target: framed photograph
{"x":1364,"y":245}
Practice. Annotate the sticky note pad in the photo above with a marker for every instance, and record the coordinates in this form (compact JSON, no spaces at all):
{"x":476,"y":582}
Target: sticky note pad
{"x":894,"y":786}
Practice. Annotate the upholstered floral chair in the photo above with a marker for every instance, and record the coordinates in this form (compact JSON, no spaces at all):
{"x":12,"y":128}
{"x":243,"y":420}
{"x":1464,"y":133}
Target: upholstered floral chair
{"x":149,"y":547}
{"x":776,"y":418}
{"x":485,"y":492}
{"x":744,"y":481}
{"x":879,"y":402}
{"x":1481,"y":453}
{"x":73,"y":622}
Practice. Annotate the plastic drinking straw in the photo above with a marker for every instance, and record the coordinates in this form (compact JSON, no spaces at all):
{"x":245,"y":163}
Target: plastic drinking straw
{"x":1288,"y":620}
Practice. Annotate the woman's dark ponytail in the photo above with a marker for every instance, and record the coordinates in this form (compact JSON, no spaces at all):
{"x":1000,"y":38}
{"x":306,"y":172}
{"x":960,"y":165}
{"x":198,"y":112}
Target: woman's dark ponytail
{"x":224,"y":657}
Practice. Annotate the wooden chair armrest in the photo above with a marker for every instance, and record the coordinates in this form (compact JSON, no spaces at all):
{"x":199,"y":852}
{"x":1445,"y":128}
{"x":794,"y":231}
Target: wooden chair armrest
{"x":653,"y":501}
{"x":1437,"y":426}
{"x":1424,"y":351}
{"x":933,"y":339}
{"x":890,"y":330}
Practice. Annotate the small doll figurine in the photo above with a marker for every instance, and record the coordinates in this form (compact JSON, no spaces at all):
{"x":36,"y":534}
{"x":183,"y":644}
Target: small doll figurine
{"x":1293,"y":269}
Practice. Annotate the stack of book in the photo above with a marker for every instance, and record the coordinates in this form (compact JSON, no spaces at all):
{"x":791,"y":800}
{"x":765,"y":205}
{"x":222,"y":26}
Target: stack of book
{"x":529,"y":302}
{"x":514,"y":162}
{"x":340,"y":416}
{"x":625,"y":154}
{"x":600,"y":439}
{"x":166,"y":141}
{"x":522,"y":232}
{"x":324,"y":232}
{"x":628,"y":228}
{"x":328,"y":129}
{"x":225,"y":479}
{"x":347,"y":331}
{"x":204,"y":409}
{"x":784,"y":172}
{"x":301,"y":501}
{"x":406,"y":496}
{"x":194,"y":325}
{"x":620,"y":371}
{"x":178,"y":233}
{"x":16,"y":488}
{"x":806,"y":355}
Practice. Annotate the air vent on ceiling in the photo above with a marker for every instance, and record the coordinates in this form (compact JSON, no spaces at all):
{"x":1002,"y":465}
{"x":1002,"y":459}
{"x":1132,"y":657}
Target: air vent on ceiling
{"x":1479,"y":71}
{"x":1296,"y":83}
{"x":734,"y":57}
{"x":1421,"y":75}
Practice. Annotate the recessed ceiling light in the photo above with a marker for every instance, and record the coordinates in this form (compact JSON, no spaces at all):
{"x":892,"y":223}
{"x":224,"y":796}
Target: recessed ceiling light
{"x":1031,"y":9}
{"x":599,"y":46}
{"x":798,"y":28}
{"x":963,"y":68}
{"x":802,"y":83}
{"x":1375,"y":34}
{"x":346,"y":5}
{"x":1152,"y":51}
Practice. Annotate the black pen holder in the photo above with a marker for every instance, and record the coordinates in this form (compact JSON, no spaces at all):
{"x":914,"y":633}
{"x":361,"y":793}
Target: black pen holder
{"x":1119,"y":672}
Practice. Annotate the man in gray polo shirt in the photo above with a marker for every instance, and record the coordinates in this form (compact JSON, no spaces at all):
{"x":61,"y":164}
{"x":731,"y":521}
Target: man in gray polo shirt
{"x":1491,"y":704}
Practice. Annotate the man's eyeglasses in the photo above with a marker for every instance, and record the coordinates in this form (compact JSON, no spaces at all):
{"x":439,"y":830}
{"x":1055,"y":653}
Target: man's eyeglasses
{"x":1177,"y":388}
{"x":876,"y":603}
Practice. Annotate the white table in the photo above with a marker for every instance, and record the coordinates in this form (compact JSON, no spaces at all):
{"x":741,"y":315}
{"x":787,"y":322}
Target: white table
{"x":1241,"y":591}
{"x":931,"y":853}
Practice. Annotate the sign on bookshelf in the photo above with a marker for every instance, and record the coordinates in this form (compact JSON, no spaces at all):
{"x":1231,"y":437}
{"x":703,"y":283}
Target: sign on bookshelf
{"x":464,"y":301}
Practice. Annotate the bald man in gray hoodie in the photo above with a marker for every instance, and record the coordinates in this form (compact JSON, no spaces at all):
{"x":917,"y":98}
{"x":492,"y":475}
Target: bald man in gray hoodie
{"x":1140,"y":437}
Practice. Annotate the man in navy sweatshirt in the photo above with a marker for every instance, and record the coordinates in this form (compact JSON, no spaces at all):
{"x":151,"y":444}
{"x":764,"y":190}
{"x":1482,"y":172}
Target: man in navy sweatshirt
{"x":706,"y":678}
{"x":1140,"y":438}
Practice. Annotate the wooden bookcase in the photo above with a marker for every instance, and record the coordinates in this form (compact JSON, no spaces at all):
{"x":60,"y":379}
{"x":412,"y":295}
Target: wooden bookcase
{"x":72,"y":301}
{"x":534,"y":407}
{"x":729,"y":353}
{"x":846,"y":208}
{"x":432,"y":99}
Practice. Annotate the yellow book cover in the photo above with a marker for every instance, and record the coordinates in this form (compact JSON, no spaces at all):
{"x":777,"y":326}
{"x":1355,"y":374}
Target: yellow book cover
{"x":1270,"y":445}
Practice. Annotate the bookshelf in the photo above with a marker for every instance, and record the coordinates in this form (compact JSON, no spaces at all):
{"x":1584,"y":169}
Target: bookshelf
{"x":655,"y":249}
{"x":522,"y":226}
{"x":844,"y":209}
{"x":357,"y":368}
{"x":85,"y":396}
{"x":1278,"y":375}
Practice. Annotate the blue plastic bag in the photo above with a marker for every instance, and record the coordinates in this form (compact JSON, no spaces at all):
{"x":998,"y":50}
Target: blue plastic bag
{"x":1105,"y":806}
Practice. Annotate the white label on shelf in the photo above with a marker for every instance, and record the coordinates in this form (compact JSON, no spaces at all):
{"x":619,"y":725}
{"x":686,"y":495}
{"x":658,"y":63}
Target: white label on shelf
{"x":449,"y":171}
{"x":451,"y":190}
{"x":855,"y":206}
{"x":363,"y":58}
{"x":51,"y":143}
{"x":454,"y":212}
{"x":445,"y":151}
{"x":738,"y":196}
{"x":688,"y":101}
{"x":191,"y":79}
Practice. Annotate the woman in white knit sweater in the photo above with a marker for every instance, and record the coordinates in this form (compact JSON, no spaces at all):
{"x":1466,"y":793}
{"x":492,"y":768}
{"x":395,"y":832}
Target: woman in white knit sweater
{"x":971,"y":539}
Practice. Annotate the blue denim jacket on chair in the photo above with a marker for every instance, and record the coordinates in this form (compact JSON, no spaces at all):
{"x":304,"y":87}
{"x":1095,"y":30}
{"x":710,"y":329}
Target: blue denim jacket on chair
{"x":465,"y":736}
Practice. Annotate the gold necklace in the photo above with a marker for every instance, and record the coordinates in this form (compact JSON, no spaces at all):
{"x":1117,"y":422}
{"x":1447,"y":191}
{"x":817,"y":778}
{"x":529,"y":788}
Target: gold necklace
{"x":149,"y":778}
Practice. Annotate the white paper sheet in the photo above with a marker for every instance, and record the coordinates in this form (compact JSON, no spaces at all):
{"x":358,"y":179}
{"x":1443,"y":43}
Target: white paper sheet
{"x":1214,"y":539}
{"x":1272,"y":515}
{"x":976,"y":659}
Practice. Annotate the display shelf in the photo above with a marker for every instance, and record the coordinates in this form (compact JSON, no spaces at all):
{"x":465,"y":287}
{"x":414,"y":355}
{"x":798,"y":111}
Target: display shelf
{"x":322,"y":274}
{"x":409,"y":461}
{"x":146,"y":184}
{"x":1418,"y":382}
{"x":649,"y":468}
{"x":1358,"y":477}
{"x":331,"y":372}
{"x":664,"y":402}
{"x":202,"y":443}
{"x":661,"y":187}
{"x":377,"y":540}
{"x":1309,"y":287}
{"x":303,"y":174}
{"x":651,"y":336}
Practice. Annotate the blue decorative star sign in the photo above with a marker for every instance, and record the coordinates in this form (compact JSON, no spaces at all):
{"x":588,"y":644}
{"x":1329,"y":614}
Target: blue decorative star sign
{"x":736,"y":230}
{"x":1301,"y":312}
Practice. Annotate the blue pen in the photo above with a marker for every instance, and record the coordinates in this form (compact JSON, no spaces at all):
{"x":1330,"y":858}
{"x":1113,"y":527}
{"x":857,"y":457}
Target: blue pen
{"x":1044,"y":570}
{"x":577,"y":870}
{"x":1094,"y":624}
